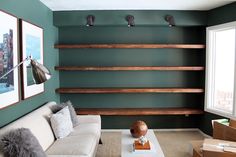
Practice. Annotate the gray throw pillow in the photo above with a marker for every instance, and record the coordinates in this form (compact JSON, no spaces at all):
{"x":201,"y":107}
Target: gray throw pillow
{"x":56,"y":108}
{"x":73,"y":114}
{"x":21,"y":143}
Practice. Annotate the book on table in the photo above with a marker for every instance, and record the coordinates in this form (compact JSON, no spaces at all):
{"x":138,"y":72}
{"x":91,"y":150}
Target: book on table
{"x":139,"y":148}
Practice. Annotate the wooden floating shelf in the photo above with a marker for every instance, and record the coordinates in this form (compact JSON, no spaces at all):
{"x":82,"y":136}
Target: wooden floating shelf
{"x":133,"y":68}
{"x":138,"y":111}
{"x":127,"y":90}
{"x":130,"y":46}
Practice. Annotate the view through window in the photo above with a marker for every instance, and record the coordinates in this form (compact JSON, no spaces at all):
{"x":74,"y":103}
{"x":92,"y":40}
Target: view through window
{"x":220,"y":70}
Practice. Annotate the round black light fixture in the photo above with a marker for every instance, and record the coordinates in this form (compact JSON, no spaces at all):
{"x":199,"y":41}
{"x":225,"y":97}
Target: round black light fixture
{"x":90,"y":20}
{"x":170,"y":20}
{"x":130,"y":20}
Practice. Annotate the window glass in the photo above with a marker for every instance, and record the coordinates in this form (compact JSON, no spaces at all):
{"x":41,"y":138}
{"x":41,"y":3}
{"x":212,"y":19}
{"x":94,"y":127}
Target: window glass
{"x":220,"y":70}
{"x":224,"y":70}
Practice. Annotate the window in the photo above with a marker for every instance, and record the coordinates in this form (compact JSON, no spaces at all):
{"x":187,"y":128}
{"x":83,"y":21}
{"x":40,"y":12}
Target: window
{"x":220,"y":70}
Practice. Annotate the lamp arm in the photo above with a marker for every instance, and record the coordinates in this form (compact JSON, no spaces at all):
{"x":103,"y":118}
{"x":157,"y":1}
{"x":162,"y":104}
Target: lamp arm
{"x":27,"y":58}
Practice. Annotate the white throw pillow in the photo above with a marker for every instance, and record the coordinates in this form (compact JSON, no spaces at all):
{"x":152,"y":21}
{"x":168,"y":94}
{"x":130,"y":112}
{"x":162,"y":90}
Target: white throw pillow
{"x":61,"y":123}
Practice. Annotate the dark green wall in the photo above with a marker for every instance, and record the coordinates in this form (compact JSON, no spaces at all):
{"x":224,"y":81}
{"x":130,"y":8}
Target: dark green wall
{"x":192,"y":31}
{"x":216,"y":16}
{"x":221,"y":15}
{"x":141,"y":18}
{"x":111,"y":28}
{"x":35,"y":12}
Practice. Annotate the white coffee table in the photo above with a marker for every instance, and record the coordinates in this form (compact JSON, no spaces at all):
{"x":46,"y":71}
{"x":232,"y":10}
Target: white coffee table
{"x":127,"y":142}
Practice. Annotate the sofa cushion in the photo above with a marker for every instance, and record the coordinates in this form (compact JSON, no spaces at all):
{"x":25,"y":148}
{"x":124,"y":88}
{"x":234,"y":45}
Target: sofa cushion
{"x":21,"y":143}
{"x":90,"y":128}
{"x":61,"y":123}
{"x":81,"y":145}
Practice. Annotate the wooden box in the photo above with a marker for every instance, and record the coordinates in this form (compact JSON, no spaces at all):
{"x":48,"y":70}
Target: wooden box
{"x":224,"y":132}
{"x":211,"y":148}
{"x":218,"y":154}
{"x":232,"y":123}
{"x":221,"y":132}
{"x":197,"y":148}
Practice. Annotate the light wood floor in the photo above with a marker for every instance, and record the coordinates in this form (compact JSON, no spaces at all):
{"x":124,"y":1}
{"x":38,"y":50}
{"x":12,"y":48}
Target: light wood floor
{"x":173,"y":143}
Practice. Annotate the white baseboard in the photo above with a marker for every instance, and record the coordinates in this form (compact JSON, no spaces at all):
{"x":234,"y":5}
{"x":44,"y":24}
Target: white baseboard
{"x":113,"y":130}
{"x":177,"y":129}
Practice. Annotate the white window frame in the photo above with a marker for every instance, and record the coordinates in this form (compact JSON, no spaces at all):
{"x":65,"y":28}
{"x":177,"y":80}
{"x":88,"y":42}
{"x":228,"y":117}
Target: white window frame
{"x":210,"y":68}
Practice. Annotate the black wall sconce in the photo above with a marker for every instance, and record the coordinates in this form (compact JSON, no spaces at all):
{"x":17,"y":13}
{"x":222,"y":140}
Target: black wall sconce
{"x":90,"y":20}
{"x":130,"y":20}
{"x":170,"y":20}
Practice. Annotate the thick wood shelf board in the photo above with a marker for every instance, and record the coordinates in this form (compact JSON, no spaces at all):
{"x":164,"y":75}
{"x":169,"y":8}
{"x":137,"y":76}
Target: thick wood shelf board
{"x":130,"y":46}
{"x":130,"y":68}
{"x":138,"y":111}
{"x":128,"y":90}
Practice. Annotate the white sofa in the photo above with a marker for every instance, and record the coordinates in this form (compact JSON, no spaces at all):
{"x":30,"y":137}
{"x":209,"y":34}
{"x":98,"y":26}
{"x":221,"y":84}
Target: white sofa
{"x":82,"y":142}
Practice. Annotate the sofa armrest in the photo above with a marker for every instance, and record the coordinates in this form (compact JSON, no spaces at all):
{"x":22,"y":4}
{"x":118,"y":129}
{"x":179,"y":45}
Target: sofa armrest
{"x":89,"y":119}
{"x":86,"y":119}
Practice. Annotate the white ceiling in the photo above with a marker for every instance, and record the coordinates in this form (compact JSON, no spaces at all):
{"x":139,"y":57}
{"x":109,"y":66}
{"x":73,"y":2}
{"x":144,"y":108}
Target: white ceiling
{"x":59,"y":5}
